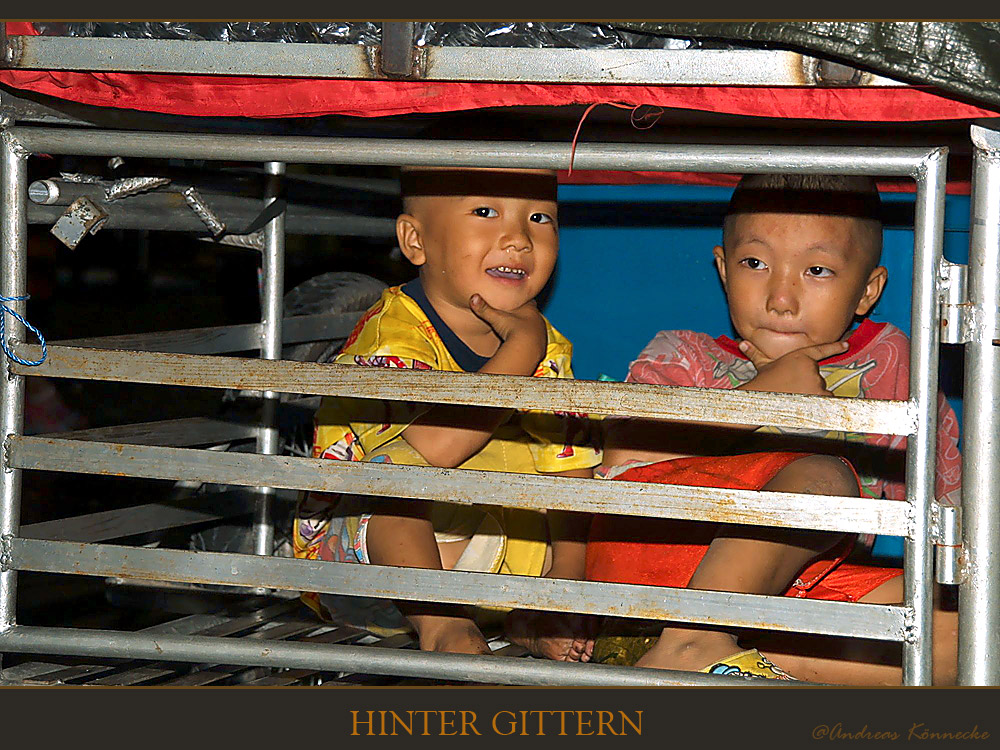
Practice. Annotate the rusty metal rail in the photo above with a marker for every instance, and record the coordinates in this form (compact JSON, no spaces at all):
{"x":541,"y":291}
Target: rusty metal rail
{"x":359,"y":61}
{"x":468,"y":487}
{"x":591,"y":397}
{"x":460,"y":587}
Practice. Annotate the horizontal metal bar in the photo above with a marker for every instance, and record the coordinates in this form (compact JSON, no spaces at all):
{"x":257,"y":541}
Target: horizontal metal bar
{"x":781,"y":509}
{"x":141,"y":519}
{"x":167,"y":212}
{"x":332,"y":657}
{"x":502,"y":391}
{"x":36,"y":673}
{"x":523,"y":65}
{"x":186,"y":432}
{"x":657,"y":67}
{"x":231,"y":626}
{"x":716,"y":608}
{"x":144,"y":671}
{"x":197,"y":57}
{"x":522,"y":154}
{"x":23,"y":110}
{"x":189,"y":624}
{"x":219,"y":339}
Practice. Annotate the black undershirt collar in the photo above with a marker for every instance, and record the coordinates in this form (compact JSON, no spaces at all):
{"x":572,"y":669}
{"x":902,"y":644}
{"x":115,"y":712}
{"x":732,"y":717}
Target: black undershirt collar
{"x":467,"y":359}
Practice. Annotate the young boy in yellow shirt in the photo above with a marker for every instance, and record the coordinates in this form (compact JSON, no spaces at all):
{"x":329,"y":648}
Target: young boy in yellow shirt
{"x":485,"y":242}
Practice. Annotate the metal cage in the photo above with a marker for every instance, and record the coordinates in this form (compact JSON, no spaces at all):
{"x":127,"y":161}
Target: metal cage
{"x":916,"y":519}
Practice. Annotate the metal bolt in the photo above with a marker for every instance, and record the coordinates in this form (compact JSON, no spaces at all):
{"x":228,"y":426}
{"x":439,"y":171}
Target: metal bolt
{"x":43,"y":192}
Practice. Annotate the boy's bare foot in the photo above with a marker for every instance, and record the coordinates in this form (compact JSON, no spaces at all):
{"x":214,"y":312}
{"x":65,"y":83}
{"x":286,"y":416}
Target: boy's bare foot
{"x":717,"y":653}
{"x":688,"y":650}
{"x":552,"y":635}
{"x":453,"y":635}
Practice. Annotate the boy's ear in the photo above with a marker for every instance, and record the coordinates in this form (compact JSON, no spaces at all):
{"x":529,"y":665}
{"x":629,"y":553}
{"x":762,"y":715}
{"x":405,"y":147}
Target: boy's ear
{"x":408,"y":234}
{"x":720,"y":264}
{"x":873,"y":290}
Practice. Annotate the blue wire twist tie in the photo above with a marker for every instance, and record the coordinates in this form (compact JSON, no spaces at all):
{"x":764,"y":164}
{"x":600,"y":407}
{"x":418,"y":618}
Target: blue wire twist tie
{"x":26,"y":324}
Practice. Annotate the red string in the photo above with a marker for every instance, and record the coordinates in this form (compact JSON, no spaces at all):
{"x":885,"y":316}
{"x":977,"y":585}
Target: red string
{"x":651,"y":116}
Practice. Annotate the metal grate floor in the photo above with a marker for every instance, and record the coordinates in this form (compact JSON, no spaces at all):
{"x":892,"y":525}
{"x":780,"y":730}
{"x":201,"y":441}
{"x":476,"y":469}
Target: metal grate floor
{"x":273,"y":620}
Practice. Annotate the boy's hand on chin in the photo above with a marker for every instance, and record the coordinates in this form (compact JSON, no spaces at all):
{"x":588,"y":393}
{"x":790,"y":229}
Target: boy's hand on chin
{"x":794,"y":372}
{"x":523,"y":327}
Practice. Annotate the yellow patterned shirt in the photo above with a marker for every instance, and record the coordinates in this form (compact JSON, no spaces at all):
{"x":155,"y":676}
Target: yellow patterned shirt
{"x":402,"y":330}
{"x":398,"y":332}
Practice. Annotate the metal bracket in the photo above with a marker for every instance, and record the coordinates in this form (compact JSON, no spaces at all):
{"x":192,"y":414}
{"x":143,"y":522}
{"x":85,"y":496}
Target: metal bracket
{"x":986,"y":141}
{"x":822,"y":72}
{"x":950,"y":560}
{"x":129,"y":186}
{"x":6,"y":553}
{"x":909,"y":626}
{"x":11,"y":143}
{"x":397,"y":56}
{"x":252,"y":241}
{"x":11,"y":48}
{"x":202,"y":210}
{"x":83,"y":217}
{"x":6,"y":49}
{"x":829,"y":73}
{"x":958,"y":315}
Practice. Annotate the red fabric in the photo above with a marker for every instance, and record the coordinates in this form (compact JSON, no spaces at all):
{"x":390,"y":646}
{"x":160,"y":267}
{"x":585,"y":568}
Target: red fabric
{"x":224,"y":96}
{"x":664,"y":552}
{"x":847,"y":583}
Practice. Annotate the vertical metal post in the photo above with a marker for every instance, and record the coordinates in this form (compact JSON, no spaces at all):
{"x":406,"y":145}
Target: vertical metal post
{"x":396,"y":58}
{"x":13,"y":254}
{"x":6,"y":51}
{"x":921,"y":447}
{"x":979,"y":594}
{"x":270,"y":347}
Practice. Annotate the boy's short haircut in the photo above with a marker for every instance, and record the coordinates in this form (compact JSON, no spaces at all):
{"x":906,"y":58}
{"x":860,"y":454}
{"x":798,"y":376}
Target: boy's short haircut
{"x":853,"y":196}
{"x":475,"y":126}
{"x":419,"y":182}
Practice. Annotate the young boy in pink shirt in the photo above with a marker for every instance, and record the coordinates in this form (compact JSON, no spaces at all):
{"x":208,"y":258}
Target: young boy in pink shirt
{"x":799,"y":264}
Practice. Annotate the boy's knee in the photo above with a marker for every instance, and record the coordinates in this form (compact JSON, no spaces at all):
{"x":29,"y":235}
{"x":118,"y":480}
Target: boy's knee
{"x":823,"y":475}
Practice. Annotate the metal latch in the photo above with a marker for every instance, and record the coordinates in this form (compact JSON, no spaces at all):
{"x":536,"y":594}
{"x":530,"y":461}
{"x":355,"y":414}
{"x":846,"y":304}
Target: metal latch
{"x":957,"y":313}
{"x":81,"y":218}
{"x":950,"y":560}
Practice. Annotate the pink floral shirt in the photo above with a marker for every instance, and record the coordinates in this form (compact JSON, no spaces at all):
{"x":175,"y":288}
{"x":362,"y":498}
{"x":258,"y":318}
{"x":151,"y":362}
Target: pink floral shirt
{"x":876,"y":365}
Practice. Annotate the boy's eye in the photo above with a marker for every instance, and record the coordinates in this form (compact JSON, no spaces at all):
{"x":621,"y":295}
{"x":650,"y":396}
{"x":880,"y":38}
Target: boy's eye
{"x":819,"y":271}
{"x":486,"y":212}
{"x":540,"y":218}
{"x":754,"y":264}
